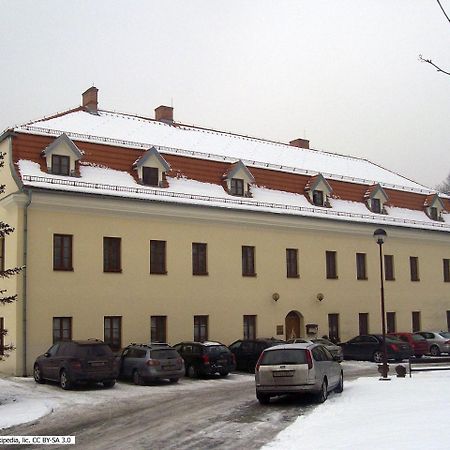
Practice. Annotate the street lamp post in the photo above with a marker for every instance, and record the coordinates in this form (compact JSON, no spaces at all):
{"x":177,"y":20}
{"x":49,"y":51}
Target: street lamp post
{"x":380,"y":237}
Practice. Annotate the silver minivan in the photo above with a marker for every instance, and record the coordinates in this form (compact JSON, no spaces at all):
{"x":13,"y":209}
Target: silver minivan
{"x":296,"y":369}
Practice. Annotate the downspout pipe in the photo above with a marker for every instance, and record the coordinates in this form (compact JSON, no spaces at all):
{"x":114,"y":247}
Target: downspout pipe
{"x":29,"y":193}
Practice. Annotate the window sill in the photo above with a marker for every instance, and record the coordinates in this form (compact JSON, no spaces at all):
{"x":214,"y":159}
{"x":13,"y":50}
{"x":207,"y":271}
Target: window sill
{"x":389,"y":279}
{"x":249,"y":274}
{"x":293,"y":276}
{"x":112,"y":271}
{"x":57,"y":269}
{"x":362,"y":279}
{"x":158,"y":273}
{"x":200,"y":274}
{"x":332,"y":278}
{"x":415,"y":281}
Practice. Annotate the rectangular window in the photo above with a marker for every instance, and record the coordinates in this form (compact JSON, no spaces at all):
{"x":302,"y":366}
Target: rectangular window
{"x":237,"y":187}
{"x":200,"y":328}
{"x":62,"y":252}
{"x":363,"y":323}
{"x":415,"y":321}
{"x":248,"y":261}
{"x":111,"y":254}
{"x":318,"y":198}
{"x":112,"y":331}
{"x":361,"y":273}
{"x":434,"y":213}
{"x":62,"y":329}
{"x":331,"y":265}
{"x":150,"y":176}
{"x":158,"y":257}
{"x":446,"y":267}
{"x":2,"y":336}
{"x":389,"y":267}
{"x":199,"y":266}
{"x":376,"y":205}
{"x":333,"y":327}
{"x":158,"y":332}
{"x":390,"y":322}
{"x":2,"y":253}
{"x":249,"y":327}
{"x":60,"y":165}
{"x":292,"y":262}
{"x":414,"y":268}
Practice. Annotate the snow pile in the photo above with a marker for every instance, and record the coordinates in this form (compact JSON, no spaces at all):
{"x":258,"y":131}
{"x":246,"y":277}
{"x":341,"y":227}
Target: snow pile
{"x":404,"y":413}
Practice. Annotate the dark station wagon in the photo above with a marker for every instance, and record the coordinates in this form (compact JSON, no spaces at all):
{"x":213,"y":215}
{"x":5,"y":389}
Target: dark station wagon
{"x":206,"y":358}
{"x":72,"y":362}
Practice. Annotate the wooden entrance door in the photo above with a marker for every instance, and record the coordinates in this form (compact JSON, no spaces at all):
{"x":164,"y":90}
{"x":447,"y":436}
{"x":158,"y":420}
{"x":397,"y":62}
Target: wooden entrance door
{"x":292,"y":325}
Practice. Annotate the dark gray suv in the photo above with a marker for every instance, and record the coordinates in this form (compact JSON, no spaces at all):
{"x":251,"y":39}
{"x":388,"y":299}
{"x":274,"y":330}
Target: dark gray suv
{"x":71,"y":362}
{"x":151,"y":362}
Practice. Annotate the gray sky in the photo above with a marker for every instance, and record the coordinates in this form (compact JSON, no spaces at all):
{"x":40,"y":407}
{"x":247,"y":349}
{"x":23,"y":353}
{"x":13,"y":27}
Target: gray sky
{"x":344,"y":74}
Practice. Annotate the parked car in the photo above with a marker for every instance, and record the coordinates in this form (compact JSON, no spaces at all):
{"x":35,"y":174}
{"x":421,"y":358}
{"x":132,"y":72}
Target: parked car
{"x":72,"y":362}
{"x":247,"y":351}
{"x":206,"y":358}
{"x":369,"y":347}
{"x":418,"y":343}
{"x":334,"y":349}
{"x":438,"y":341}
{"x":150,"y":362}
{"x":297,"y":369}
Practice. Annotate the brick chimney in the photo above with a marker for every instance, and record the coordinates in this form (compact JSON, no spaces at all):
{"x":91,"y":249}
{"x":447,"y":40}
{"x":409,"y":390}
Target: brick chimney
{"x":164,"y":114}
{"x":90,"y":100}
{"x":301,"y":143}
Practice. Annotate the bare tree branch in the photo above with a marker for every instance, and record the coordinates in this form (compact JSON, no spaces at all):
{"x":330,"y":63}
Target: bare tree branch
{"x":429,"y":61}
{"x":443,"y":10}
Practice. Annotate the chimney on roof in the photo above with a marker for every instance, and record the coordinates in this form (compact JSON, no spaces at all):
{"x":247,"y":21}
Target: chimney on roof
{"x":301,"y":143}
{"x":90,"y":100}
{"x":164,"y":114}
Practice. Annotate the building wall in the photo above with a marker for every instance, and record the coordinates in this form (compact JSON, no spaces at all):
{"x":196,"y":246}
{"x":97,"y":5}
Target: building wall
{"x":87,"y":294}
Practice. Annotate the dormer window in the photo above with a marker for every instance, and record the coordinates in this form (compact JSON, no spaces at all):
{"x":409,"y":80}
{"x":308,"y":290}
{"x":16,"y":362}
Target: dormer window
{"x":238,"y":179}
{"x":151,"y":168}
{"x":237,"y":187}
{"x":318,"y":198}
{"x":434,"y":213}
{"x":434,"y":207}
{"x":62,"y":156}
{"x":60,"y":165}
{"x":318,"y":191}
{"x":150,"y":176}
{"x":375,"y":204}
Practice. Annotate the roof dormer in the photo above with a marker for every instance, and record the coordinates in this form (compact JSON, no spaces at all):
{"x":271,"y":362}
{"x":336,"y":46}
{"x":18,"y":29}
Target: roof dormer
{"x":434,"y":207}
{"x":318,"y":191}
{"x":151,"y":168}
{"x":376,"y":198}
{"x":62,"y":155}
{"x":238,"y":180}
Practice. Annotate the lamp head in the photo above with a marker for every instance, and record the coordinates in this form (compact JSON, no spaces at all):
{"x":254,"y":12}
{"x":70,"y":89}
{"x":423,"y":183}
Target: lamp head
{"x":380,"y":236}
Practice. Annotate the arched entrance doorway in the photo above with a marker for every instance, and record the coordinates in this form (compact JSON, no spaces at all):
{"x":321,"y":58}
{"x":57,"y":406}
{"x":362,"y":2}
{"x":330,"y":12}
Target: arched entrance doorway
{"x":294,"y":325}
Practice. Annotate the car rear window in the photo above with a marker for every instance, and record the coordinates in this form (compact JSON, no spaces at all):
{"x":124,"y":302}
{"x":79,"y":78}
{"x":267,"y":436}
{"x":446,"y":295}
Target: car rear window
{"x":94,"y":351}
{"x":444,"y":334}
{"x":214,"y":350}
{"x":274,"y":357}
{"x":166,"y":353}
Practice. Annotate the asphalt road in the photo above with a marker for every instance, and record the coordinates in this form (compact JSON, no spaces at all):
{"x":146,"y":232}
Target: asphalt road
{"x":226,"y":416}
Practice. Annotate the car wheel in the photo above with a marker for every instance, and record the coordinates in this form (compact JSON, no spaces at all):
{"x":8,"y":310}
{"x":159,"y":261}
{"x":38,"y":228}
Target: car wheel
{"x":64,"y":380}
{"x":173,"y":380}
{"x":223,"y":373}
{"x":323,"y":394}
{"x":434,"y":350}
{"x":137,"y":379}
{"x":263,"y":399}
{"x":109,"y":383}
{"x":340,"y":387}
{"x":192,"y":372}
{"x":378,"y":357}
{"x":38,"y":375}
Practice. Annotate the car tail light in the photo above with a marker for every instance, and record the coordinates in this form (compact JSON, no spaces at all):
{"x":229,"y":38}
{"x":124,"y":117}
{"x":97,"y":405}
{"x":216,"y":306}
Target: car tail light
{"x":393,"y":347}
{"x":75,"y":364}
{"x":258,"y":363}
{"x":153,"y":362}
{"x":447,"y":342}
{"x":309,"y":359}
{"x":205,"y":359}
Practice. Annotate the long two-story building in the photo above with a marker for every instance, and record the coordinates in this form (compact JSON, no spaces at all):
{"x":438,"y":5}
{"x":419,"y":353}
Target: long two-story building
{"x":134,"y":229}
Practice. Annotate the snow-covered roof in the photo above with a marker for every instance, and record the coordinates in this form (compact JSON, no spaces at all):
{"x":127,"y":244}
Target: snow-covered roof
{"x":131,"y":131}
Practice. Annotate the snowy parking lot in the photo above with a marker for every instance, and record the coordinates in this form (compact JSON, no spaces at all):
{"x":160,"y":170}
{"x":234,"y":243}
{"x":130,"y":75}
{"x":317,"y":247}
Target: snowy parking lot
{"x":408,"y":413}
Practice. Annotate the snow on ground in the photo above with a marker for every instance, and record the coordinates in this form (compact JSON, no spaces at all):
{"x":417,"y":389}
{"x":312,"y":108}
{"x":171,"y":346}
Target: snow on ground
{"x":404,"y":413}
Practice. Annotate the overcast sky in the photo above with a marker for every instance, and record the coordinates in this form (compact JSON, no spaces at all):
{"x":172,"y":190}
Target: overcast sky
{"x":344,"y":74}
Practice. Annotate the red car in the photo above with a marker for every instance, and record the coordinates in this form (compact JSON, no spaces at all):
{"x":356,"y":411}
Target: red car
{"x":417,"y":342}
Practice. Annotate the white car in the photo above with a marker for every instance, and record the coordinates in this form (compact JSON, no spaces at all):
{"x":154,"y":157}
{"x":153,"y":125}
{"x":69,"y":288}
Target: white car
{"x":296,"y":369}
